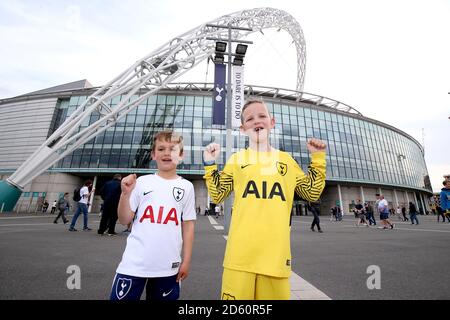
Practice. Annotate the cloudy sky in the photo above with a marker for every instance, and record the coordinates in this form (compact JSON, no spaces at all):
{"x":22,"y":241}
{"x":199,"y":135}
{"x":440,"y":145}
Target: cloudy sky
{"x":389,"y":59}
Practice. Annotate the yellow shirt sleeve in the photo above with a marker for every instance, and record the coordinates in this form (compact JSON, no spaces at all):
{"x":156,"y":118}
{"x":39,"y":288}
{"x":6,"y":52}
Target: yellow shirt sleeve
{"x":310,"y":186}
{"x":219,"y":184}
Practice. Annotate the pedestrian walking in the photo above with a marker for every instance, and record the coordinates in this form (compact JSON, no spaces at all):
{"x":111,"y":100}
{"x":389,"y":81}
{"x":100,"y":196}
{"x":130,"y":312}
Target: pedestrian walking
{"x":440,"y":213}
{"x":45,"y":206}
{"x":110,"y":193}
{"x":413,"y":213}
{"x":369,"y":213}
{"x":83,"y":196}
{"x":217,"y":211}
{"x":399,"y":213}
{"x":63,"y":202}
{"x":332,"y":214}
{"x":361,"y":215}
{"x":314,"y":208}
{"x":445,"y":198}
{"x":55,"y":203}
{"x":338,"y":213}
{"x":383,"y":209}
{"x":405,"y":218}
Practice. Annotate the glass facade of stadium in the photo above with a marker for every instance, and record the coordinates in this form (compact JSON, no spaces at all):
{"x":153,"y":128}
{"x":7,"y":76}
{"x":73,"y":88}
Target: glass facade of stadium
{"x":364,"y":156}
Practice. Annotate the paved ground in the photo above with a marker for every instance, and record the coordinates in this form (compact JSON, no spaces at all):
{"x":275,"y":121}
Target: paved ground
{"x":412,"y":260}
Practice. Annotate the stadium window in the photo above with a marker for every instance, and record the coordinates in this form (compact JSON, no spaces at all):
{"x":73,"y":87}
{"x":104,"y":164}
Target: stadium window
{"x":293,"y":111}
{"x":321,"y":115}
{"x":189,"y":101}
{"x":198,"y":101}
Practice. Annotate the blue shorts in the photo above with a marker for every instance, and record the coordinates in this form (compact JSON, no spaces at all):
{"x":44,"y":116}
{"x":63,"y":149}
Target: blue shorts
{"x":384,"y":216}
{"x":130,"y":288}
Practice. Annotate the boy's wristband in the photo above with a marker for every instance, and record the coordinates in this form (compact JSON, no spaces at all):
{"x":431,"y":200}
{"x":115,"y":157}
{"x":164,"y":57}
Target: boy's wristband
{"x":209,"y":163}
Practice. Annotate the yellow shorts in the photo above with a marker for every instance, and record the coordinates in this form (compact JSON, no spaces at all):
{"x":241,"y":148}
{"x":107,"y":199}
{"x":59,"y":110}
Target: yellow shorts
{"x":241,"y":285}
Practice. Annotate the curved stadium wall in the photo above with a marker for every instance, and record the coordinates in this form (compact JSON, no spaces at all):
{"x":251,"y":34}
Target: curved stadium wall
{"x":364,"y":156}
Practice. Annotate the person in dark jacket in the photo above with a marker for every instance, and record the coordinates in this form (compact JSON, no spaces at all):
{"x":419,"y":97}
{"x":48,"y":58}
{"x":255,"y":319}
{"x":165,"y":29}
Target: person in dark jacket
{"x":413,"y":213}
{"x":369,"y":214}
{"x":315,"y":210}
{"x":405,"y":218}
{"x":445,"y":199}
{"x":110,"y":194}
{"x":62,"y":204}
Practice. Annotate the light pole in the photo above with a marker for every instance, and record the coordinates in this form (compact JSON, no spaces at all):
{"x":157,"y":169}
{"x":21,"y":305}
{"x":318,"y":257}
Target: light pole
{"x":229,"y":136}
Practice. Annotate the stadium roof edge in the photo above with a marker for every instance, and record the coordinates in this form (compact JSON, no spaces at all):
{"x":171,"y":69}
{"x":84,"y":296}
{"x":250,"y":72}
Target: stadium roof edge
{"x":250,"y":90}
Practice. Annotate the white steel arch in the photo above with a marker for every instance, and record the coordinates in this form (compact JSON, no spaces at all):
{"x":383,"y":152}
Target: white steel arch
{"x":152,"y":73}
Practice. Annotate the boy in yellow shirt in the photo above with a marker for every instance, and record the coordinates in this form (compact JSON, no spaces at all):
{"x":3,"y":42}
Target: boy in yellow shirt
{"x":257,"y":262}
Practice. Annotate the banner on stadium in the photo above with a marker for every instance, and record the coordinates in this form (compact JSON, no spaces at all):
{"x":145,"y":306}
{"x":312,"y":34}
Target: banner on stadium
{"x":238,"y":95}
{"x":219,"y":94}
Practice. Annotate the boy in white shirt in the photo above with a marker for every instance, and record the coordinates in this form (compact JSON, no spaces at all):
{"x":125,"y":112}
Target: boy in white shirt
{"x":161,"y":208}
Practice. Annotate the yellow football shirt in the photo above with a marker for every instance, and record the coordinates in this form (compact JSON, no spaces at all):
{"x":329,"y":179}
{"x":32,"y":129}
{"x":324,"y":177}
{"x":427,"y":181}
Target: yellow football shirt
{"x":264,"y":184}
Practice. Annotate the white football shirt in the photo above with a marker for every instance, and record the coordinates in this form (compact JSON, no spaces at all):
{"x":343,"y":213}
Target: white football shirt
{"x":154,"y":245}
{"x":84,"y":193}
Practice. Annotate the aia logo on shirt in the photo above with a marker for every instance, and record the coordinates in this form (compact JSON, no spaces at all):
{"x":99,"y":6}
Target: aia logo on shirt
{"x":261,"y":192}
{"x":178,"y":194}
{"x":168,"y":215}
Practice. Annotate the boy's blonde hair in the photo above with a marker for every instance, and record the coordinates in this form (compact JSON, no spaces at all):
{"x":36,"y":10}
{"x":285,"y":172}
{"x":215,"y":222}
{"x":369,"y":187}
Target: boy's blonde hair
{"x":251,"y":101}
{"x":168,"y":136}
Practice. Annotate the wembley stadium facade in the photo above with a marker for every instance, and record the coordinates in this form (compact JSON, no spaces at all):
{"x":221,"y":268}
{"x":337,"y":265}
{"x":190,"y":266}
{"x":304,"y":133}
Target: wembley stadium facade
{"x":364,"y":156}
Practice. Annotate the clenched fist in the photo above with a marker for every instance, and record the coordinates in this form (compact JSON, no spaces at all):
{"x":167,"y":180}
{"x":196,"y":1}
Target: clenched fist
{"x":212,"y":152}
{"x":315,"y":145}
{"x":128,"y":183}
